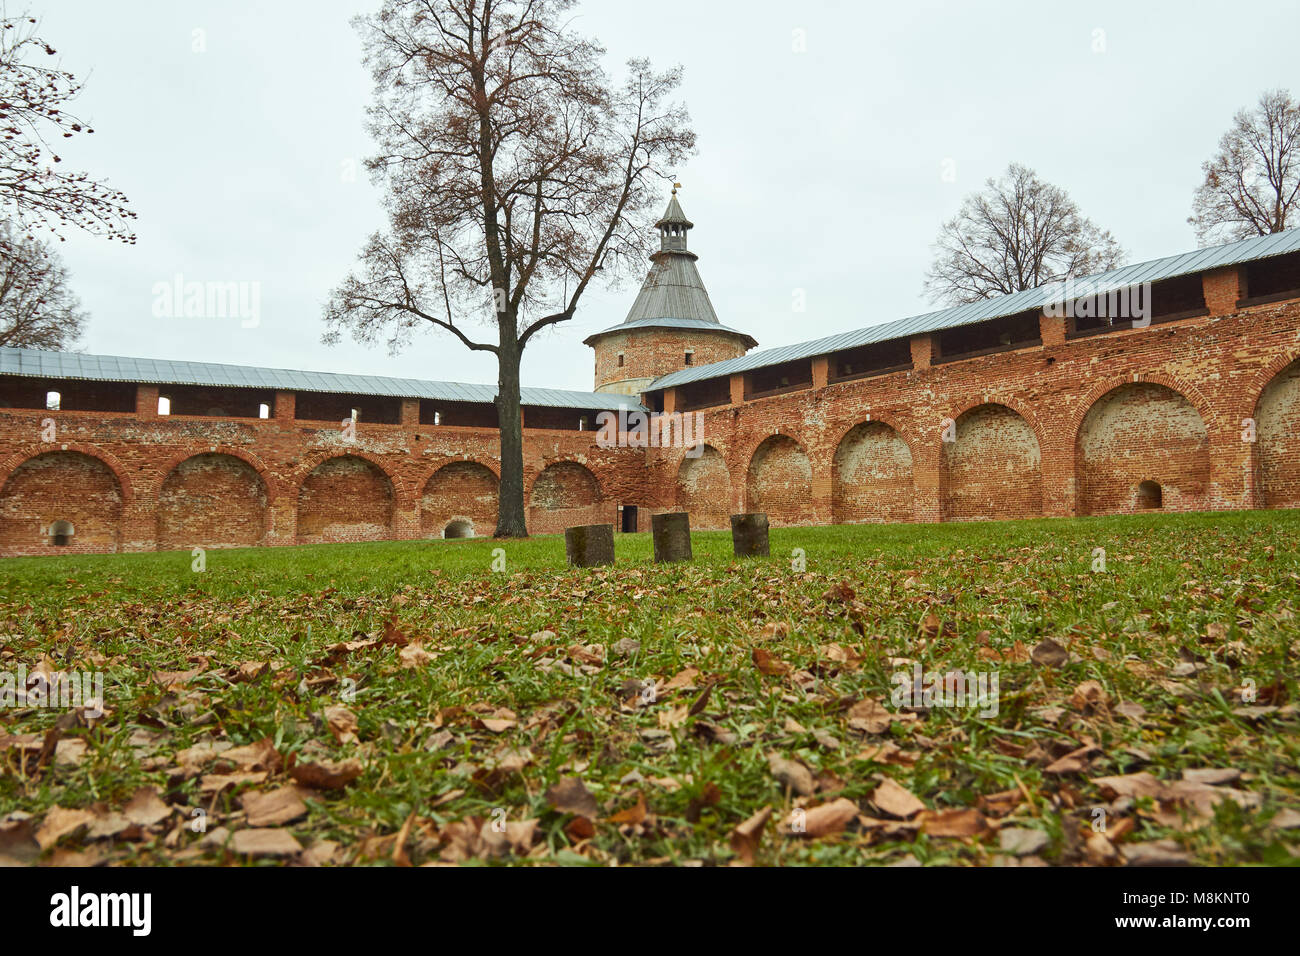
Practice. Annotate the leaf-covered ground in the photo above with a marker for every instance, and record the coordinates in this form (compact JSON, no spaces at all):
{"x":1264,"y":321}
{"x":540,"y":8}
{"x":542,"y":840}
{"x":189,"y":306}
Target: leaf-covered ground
{"x":403,"y":703}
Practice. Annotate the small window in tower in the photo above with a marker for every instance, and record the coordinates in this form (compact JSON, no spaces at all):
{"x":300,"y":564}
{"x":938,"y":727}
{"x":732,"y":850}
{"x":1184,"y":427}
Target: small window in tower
{"x":356,"y":414}
{"x":620,"y":359}
{"x":690,"y":357}
{"x":437,"y":418}
{"x":52,"y":401}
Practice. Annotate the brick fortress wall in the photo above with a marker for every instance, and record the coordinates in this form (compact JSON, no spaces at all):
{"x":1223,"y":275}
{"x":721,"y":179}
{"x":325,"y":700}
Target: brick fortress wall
{"x":1120,"y":421}
{"x":1125,"y":420}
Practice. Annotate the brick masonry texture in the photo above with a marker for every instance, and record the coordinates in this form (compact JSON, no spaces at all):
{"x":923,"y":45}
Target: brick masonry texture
{"x":650,"y":353}
{"x":1084,"y":425}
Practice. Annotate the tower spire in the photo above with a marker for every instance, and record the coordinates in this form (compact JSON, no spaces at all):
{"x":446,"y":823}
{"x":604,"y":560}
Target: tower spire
{"x":673,"y":225}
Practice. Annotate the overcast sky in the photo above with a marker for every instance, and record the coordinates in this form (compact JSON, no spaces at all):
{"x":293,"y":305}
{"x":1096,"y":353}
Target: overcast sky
{"x":820,"y":170}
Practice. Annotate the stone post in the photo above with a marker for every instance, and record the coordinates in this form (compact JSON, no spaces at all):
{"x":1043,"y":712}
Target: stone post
{"x":749,"y":535}
{"x":672,"y":536}
{"x":589,"y":545}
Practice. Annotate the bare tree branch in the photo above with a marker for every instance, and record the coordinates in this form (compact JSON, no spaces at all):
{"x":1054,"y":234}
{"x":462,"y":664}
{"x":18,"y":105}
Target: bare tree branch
{"x":515,"y":174}
{"x":1020,"y":233}
{"x":1252,"y":184}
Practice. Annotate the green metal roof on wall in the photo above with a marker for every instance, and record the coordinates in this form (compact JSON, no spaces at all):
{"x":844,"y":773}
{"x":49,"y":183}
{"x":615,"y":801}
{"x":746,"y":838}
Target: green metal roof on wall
{"x":35,"y":363}
{"x":1170,"y":267}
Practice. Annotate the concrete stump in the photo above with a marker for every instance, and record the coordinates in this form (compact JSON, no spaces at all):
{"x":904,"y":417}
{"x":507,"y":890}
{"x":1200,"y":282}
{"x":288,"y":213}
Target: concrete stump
{"x":672,"y":536}
{"x":589,"y":545}
{"x":749,"y":535}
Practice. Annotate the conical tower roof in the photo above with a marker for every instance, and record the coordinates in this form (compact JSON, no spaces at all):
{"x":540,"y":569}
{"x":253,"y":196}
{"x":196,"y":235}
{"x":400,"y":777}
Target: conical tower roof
{"x":673,"y":294}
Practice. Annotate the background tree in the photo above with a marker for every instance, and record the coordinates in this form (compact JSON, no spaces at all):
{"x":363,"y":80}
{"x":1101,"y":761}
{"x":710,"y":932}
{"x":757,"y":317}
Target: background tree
{"x":1019,"y":233}
{"x":515,"y":173}
{"x":38,"y":309}
{"x":35,"y":194}
{"x":1252,"y":185}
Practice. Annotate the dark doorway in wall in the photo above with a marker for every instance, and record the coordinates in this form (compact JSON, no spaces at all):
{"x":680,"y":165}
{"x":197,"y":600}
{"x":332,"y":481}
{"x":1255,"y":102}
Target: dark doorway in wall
{"x":628,"y":513}
{"x":1150,"y":497}
{"x":61,"y":533}
{"x":458,"y":529}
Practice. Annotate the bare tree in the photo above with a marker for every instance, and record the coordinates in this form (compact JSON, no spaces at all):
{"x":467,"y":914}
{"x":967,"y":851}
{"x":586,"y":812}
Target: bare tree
{"x":515,"y":174}
{"x":1020,"y":233}
{"x":35,"y":193}
{"x":38,"y":309}
{"x":1252,"y":185}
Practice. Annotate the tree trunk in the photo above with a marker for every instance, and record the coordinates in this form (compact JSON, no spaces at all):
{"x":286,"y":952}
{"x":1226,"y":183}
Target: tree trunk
{"x":511,"y":521}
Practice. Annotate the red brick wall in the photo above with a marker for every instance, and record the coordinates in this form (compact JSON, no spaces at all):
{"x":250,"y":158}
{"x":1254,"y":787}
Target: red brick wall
{"x":1278,"y":437}
{"x":704,"y":489}
{"x":872,"y":477}
{"x":460,"y":491}
{"x":566,"y":494}
{"x":345,"y":499}
{"x":994,"y":468}
{"x":111,"y":472}
{"x":779,"y":482}
{"x":144,"y":451}
{"x":211,"y":501}
{"x":1221,"y":365}
{"x":60,"y":486}
{"x":1143,"y":432}
{"x":650,"y":353}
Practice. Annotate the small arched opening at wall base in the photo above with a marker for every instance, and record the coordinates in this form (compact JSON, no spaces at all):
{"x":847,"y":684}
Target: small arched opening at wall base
{"x":61,"y":533}
{"x":459,"y":528}
{"x":1150,"y":496}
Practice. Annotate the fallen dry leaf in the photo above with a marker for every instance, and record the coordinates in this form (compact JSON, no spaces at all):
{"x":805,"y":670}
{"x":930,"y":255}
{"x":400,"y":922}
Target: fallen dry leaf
{"x":633,"y":814}
{"x":342,"y":723}
{"x":273,"y":808}
{"x":413,"y":655}
{"x":261,"y":755}
{"x":791,"y":774}
{"x":896,"y":800}
{"x":955,"y":822}
{"x":746,"y":836}
{"x":1049,"y":654}
{"x":265,"y":842}
{"x":60,"y":822}
{"x":870,"y":716}
{"x":326,"y":774}
{"x":828,"y":818}
{"x":146,"y":808}
{"x":570,"y":795}
{"x":769,"y":664}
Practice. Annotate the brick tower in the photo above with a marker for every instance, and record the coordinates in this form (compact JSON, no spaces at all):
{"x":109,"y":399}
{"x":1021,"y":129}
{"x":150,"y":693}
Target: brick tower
{"x":672,"y":323}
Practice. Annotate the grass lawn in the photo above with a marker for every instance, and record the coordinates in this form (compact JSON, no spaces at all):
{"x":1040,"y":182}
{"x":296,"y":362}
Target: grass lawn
{"x":405,"y":703}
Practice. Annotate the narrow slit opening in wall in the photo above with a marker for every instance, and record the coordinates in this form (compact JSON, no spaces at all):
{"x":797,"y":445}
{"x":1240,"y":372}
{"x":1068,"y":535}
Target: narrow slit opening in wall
{"x":263,"y":410}
{"x":52,"y":401}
